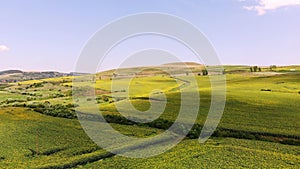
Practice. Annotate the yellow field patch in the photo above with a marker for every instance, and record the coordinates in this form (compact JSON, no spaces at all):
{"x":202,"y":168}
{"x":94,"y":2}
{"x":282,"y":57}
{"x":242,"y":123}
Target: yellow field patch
{"x":17,"y":113}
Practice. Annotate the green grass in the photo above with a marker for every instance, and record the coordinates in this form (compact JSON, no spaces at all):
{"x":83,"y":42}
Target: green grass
{"x":247,"y":107}
{"x":216,"y":153}
{"x":53,"y":140}
{"x":7,"y":95}
{"x":53,"y":80}
{"x":261,"y":107}
{"x":23,"y":129}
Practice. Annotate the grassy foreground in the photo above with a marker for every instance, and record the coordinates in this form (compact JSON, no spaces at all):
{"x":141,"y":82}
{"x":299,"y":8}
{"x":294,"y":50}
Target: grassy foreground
{"x":61,"y":143}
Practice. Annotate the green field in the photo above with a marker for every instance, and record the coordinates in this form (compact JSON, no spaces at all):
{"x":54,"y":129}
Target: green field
{"x":260,"y":126}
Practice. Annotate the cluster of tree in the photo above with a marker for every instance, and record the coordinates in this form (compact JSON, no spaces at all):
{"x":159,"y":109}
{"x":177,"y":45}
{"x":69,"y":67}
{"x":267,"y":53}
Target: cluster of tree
{"x":35,"y":85}
{"x":56,"y":110}
{"x":30,"y":94}
{"x":205,"y":72}
{"x":56,"y":95}
{"x":9,"y":101}
{"x":273,"y":67}
{"x":158,"y":123}
{"x":104,"y":98}
{"x":255,"y":69}
{"x":258,"y":69}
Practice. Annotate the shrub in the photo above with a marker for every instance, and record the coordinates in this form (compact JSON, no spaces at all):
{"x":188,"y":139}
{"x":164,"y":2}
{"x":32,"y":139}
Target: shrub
{"x":56,"y":95}
{"x":204,"y":72}
{"x":105,"y":98}
{"x":36,"y":85}
{"x":57,"y":110}
{"x":52,"y":151}
{"x":18,"y":105}
{"x":266,"y":90}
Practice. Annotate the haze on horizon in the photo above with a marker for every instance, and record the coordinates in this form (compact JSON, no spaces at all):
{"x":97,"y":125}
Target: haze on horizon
{"x":49,"y":35}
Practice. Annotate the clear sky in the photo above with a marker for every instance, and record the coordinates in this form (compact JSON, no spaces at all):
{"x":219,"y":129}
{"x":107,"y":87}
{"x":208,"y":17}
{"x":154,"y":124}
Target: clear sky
{"x":49,"y":34}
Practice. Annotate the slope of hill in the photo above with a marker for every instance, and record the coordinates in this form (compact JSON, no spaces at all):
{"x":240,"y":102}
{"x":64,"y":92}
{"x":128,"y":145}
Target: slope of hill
{"x":9,"y":76}
{"x":10,"y":72}
{"x":259,"y":127}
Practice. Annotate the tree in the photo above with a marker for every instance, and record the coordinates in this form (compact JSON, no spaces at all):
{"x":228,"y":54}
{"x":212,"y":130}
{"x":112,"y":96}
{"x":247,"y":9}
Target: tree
{"x":255,"y":68}
{"x":272,"y":67}
{"x":251,"y":69}
{"x":204,"y":72}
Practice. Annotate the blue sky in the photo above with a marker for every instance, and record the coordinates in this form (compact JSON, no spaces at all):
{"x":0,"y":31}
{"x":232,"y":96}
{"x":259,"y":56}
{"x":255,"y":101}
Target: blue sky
{"x":50,"y":34}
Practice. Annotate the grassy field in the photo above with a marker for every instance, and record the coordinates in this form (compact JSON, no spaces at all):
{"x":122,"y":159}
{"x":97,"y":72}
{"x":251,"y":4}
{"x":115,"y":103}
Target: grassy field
{"x":32,"y":140}
{"x":224,"y":153}
{"x":260,"y":127}
{"x":247,"y":107}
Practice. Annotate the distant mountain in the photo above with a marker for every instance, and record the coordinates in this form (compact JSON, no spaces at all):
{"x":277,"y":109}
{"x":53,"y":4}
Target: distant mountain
{"x":9,"y":76}
{"x":188,"y":64}
{"x":77,"y":74}
{"x":10,"y":72}
{"x":168,"y":69}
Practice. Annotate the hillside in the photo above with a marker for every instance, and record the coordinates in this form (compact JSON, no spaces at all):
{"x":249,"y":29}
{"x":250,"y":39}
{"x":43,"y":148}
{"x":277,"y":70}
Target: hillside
{"x":9,"y":76}
{"x":259,"y":127}
{"x":183,"y":68}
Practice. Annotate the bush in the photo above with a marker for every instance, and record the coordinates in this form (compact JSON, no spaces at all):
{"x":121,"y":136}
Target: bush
{"x":204,"y":72}
{"x":57,"y":110}
{"x":266,"y":90}
{"x":105,"y":98}
{"x":30,"y":98}
{"x":9,"y":101}
{"x":36,"y":85}
{"x":52,"y":151}
{"x":56,"y":95}
{"x":19,"y":105}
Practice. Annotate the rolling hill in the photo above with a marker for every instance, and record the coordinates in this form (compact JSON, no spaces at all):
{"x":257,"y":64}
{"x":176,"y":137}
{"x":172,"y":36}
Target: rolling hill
{"x":259,"y":127}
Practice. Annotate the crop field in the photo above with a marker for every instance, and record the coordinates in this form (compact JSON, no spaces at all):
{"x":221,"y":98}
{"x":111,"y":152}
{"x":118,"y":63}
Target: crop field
{"x":247,"y":108}
{"x":260,"y":126}
{"x":225,"y":153}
